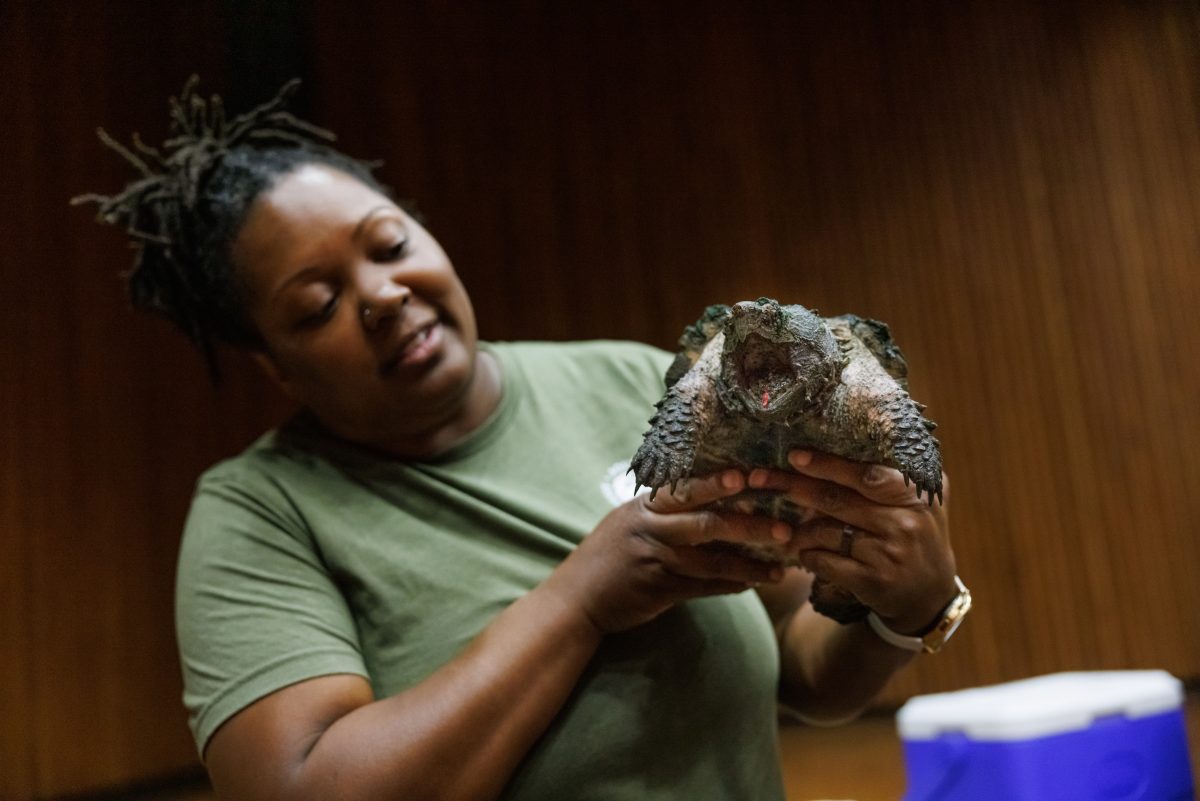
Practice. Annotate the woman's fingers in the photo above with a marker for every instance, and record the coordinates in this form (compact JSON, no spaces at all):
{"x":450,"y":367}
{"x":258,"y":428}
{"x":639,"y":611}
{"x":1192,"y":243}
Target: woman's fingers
{"x":705,"y":526}
{"x":682,"y":516}
{"x":824,"y":497}
{"x":693,"y":493}
{"x":841,"y":552}
{"x":871,"y":497}
{"x":721,"y":562}
{"x":873,"y":537}
{"x":875,"y":482}
{"x":828,"y":534}
{"x":707,"y":547}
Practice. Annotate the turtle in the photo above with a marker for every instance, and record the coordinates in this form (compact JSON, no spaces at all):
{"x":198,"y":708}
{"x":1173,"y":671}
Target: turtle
{"x":757,"y":379}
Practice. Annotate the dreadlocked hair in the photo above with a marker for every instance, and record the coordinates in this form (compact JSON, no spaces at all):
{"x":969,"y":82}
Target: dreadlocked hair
{"x":187,"y":208}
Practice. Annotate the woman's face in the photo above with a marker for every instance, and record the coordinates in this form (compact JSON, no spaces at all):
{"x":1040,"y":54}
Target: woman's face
{"x":362,"y":317}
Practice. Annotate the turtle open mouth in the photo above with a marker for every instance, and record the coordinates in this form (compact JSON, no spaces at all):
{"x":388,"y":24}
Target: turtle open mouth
{"x":763,"y":370}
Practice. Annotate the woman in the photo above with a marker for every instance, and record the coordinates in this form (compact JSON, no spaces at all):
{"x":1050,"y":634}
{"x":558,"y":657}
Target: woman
{"x":434,"y":583}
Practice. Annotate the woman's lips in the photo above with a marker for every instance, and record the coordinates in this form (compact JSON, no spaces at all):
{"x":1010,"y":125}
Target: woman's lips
{"x":419,"y":349}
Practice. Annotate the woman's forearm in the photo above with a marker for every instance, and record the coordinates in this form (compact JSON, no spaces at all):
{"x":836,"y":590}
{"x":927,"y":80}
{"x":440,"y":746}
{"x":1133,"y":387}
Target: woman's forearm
{"x":461,"y":733}
{"x":831,"y":672}
{"x":458,"y":734}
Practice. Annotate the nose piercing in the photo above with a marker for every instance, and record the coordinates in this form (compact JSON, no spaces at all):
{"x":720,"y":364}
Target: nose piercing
{"x":370,"y":315}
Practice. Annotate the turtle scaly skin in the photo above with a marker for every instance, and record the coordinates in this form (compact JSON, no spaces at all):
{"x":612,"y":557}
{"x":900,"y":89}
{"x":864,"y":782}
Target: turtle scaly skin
{"x":754,"y":381}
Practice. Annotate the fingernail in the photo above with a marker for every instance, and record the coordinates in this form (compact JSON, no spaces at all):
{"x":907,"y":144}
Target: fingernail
{"x":758,"y":477}
{"x":781,"y":531}
{"x":731,"y":479}
{"x":800,"y":459}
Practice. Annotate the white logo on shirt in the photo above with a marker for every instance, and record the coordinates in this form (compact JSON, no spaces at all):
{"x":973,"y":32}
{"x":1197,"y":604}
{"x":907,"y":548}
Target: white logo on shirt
{"x":618,"y":485}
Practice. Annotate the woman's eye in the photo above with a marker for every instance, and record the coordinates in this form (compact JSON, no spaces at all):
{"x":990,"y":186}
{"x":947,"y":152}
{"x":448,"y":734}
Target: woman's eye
{"x":320,"y":316}
{"x":396,"y":251}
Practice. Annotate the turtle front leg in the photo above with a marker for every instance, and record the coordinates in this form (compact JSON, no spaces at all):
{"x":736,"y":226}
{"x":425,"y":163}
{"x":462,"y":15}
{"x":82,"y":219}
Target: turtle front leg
{"x":668,"y":450}
{"x":902,"y":438}
{"x":914,"y":449}
{"x":873,"y":410}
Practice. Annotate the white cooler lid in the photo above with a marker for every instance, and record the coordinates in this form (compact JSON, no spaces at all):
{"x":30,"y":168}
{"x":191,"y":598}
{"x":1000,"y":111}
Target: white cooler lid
{"x":1052,"y":704}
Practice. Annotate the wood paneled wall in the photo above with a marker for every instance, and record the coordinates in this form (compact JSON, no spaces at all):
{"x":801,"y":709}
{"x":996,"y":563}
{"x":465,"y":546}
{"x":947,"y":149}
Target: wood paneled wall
{"x":1012,"y":186}
{"x":106,"y":418}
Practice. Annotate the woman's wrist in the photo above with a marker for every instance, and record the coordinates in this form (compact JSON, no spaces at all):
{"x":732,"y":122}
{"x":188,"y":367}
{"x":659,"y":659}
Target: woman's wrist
{"x":936,"y":633}
{"x":920,"y":619}
{"x":559,"y":595}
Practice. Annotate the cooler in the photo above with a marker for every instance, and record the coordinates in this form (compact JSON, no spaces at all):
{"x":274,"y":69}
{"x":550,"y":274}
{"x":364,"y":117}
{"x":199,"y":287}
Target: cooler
{"x":1091,"y":736}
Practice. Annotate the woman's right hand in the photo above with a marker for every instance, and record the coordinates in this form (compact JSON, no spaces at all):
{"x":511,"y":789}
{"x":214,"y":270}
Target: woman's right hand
{"x":647,"y":555}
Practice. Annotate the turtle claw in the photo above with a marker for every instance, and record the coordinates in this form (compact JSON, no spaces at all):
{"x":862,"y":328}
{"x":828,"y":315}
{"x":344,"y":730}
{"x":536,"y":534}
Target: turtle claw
{"x":930,"y":491}
{"x":925,"y":474}
{"x":656,"y":465}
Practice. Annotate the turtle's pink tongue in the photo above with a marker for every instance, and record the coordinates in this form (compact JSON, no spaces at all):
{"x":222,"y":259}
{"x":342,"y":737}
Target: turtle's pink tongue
{"x":766,"y":398}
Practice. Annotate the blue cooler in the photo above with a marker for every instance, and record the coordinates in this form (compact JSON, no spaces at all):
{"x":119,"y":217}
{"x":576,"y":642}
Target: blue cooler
{"x":1093,"y":736}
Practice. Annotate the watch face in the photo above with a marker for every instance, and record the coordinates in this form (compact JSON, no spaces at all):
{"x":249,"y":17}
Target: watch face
{"x":933,"y":641}
{"x":955,"y":613}
{"x":953,"y":627}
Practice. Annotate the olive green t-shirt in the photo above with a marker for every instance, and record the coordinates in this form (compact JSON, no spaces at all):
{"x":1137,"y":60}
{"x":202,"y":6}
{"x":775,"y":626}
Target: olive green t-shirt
{"x":305,"y":556}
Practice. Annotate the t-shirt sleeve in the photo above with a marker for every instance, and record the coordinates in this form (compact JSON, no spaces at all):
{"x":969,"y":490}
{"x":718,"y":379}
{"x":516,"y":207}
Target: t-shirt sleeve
{"x":654,"y":363}
{"x":256,"y":610}
{"x":638,"y":368}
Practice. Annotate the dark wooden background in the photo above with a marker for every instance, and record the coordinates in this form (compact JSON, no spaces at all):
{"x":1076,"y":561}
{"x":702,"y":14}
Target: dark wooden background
{"x":1013,"y":186}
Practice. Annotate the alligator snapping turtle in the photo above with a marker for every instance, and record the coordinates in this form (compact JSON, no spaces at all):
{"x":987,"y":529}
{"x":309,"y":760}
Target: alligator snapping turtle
{"x":756,"y":380}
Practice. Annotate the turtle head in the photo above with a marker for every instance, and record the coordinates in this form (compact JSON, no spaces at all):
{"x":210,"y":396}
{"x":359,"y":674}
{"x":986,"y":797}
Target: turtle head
{"x":777,"y":360}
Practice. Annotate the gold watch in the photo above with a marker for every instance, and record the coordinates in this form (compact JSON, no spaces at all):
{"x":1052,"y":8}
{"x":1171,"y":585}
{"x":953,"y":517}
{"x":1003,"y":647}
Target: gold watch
{"x":931,"y":641}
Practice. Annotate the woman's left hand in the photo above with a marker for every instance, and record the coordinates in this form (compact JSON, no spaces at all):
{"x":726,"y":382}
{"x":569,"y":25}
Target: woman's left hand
{"x":898,"y":562}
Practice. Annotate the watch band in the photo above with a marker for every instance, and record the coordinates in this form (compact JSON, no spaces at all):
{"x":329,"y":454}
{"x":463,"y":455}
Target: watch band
{"x":932,"y":641}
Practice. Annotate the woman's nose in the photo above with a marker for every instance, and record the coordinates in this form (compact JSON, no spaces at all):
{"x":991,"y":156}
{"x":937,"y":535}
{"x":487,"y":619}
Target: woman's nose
{"x":383,"y":304}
